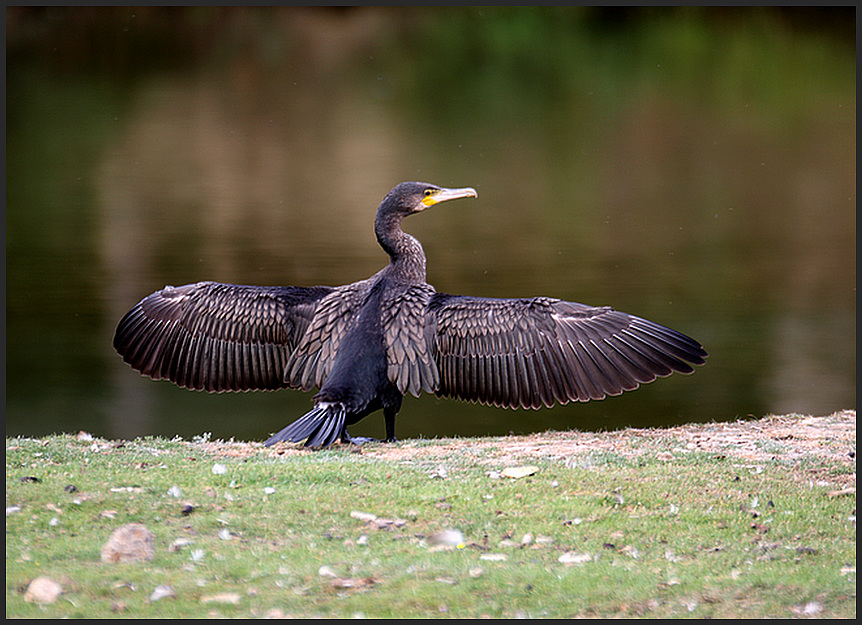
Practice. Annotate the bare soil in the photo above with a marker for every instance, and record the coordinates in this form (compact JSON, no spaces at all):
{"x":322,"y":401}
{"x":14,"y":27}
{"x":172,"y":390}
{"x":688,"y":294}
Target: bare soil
{"x":820,"y":440}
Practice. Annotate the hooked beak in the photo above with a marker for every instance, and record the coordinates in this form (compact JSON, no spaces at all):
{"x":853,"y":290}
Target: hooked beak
{"x":449,"y":194}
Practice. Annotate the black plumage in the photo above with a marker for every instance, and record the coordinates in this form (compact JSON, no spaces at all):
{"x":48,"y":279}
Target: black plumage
{"x":367,"y":344}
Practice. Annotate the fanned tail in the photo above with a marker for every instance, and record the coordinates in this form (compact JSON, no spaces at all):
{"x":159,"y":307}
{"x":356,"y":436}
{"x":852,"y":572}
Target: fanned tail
{"x":321,"y":426}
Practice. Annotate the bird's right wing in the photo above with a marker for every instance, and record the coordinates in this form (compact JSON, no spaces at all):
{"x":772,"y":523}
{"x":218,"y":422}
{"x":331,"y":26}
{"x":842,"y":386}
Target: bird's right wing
{"x":541,"y":351}
{"x":218,"y":337}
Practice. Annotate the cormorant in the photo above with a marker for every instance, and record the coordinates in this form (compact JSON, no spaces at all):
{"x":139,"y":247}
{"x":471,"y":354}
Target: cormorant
{"x":365,"y":345}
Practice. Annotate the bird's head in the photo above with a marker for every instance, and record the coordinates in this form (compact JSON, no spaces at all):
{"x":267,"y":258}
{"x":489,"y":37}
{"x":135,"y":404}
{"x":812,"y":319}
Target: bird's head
{"x":412,"y":197}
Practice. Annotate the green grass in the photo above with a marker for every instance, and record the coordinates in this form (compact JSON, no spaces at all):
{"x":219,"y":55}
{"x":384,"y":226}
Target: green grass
{"x":693,"y":536}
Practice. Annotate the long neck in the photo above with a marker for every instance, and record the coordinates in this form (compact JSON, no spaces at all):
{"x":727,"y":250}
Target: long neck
{"x":405,"y":252}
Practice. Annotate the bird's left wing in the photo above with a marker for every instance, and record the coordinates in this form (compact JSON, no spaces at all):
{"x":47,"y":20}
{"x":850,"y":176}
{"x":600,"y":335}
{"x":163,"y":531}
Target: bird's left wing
{"x":541,"y":351}
{"x":409,"y":342}
{"x":217,"y":337}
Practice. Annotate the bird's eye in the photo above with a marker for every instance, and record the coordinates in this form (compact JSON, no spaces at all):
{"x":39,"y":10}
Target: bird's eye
{"x":428,"y":192}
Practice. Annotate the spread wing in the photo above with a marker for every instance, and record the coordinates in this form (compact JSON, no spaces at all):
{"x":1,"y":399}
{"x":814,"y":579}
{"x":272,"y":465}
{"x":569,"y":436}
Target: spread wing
{"x":218,"y":337}
{"x":315,"y":354}
{"x":409,"y":341}
{"x":540,"y":351}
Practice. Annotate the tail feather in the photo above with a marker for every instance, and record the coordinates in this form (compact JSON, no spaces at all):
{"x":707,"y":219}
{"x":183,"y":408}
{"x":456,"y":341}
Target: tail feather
{"x":321,"y":426}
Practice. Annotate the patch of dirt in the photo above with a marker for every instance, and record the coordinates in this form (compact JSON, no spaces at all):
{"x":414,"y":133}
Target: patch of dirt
{"x":827,"y":439}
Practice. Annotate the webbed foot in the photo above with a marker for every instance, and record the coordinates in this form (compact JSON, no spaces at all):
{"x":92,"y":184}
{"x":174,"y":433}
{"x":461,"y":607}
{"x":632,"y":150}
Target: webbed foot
{"x":347,"y":439}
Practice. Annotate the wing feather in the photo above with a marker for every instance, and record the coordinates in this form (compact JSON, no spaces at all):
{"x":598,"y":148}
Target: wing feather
{"x":313,"y":358}
{"x":218,"y":337}
{"x":410,"y":363}
{"x":541,"y":351}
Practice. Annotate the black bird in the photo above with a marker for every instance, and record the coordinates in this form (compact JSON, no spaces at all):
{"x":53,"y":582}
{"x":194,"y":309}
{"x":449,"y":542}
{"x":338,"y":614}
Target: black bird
{"x":365,"y":345}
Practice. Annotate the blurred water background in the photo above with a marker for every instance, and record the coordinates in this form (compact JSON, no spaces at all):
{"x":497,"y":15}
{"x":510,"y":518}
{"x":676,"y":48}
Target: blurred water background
{"x":693,"y":166}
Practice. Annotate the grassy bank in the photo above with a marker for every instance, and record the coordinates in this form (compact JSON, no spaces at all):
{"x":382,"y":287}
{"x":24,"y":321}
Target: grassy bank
{"x":633,"y":524}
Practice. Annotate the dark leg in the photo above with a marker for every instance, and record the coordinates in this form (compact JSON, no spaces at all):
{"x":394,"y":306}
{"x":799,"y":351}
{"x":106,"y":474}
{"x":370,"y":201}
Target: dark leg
{"x":389,"y":417}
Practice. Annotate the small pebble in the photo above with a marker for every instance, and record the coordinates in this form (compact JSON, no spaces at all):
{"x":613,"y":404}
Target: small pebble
{"x":43,"y":590}
{"x":162,"y":592}
{"x":447,"y":538}
{"x":132,"y":542}
{"x":570,"y":557}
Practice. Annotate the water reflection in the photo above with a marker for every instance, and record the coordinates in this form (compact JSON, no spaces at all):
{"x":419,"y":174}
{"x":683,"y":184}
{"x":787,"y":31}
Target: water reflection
{"x":608,"y":173}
